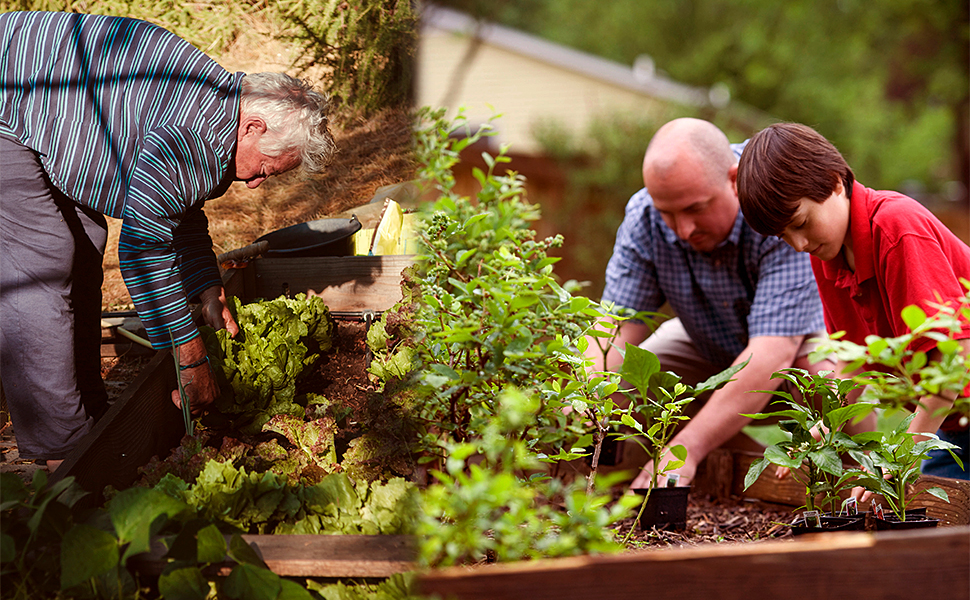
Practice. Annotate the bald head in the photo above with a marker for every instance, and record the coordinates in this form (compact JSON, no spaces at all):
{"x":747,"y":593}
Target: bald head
{"x":689,"y":144}
{"x":690,"y":171}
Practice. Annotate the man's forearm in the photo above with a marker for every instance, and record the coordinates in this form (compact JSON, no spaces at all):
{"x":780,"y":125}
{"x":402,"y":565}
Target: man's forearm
{"x":720,"y":419}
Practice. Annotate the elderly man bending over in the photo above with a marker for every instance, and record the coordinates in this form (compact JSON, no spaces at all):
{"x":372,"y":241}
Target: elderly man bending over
{"x":114,"y":116}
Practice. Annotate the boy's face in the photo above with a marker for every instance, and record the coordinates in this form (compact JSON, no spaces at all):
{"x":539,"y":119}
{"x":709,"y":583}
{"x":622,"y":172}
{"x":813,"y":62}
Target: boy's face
{"x":820,"y":228}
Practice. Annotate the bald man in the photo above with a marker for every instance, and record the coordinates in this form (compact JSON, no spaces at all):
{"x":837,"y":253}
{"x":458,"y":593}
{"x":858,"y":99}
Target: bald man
{"x":736,"y":294}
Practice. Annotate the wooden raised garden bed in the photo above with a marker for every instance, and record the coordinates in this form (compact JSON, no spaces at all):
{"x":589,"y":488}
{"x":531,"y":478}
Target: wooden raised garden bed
{"x":143,"y":422}
{"x":934,"y":563}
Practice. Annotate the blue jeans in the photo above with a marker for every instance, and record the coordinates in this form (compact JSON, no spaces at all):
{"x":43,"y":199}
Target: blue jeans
{"x":942,"y":464}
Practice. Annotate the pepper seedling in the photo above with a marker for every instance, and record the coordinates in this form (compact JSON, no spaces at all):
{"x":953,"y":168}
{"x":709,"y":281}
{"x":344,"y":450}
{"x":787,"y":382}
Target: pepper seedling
{"x":816,"y":436}
{"x":893,"y":463}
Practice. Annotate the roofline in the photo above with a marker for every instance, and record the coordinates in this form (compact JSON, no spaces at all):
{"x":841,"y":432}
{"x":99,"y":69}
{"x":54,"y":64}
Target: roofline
{"x":513,"y":40}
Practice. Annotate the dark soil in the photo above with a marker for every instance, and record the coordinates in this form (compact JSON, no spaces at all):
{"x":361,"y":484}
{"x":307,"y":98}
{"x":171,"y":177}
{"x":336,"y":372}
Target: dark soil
{"x":341,"y":374}
{"x":712,"y":521}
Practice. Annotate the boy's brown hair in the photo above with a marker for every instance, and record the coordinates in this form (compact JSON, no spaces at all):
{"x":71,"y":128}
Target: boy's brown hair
{"x":782,"y":164}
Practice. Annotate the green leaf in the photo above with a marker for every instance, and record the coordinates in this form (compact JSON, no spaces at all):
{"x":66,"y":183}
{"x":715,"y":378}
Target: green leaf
{"x":211,"y":545}
{"x":243,"y":553}
{"x":290,"y":590}
{"x":840,"y":415}
{"x":828,"y":460}
{"x":679,"y":451}
{"x":778,"y":456}
{"x":86,"y":552}
{"x":136,"y":513}
{"x":939,"y":493}
{"x":754,"y":471}
{"x":249,"y":582}
{"x":719,"y":379}
{"x":638,"y":365}
{"x":913,"y":316}
{"x":8,"y":548}
{"x":183,"y":584}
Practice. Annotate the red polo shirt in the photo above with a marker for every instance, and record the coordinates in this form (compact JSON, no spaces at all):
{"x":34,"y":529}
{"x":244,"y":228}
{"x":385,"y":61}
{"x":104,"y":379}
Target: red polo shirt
{"x":903,"y":256}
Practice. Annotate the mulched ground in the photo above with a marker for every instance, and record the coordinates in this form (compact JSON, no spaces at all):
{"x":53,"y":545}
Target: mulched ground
{"x":710,"y":521}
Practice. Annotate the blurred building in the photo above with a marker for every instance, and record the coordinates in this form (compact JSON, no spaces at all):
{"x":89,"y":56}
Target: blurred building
{"x":488,"y":68}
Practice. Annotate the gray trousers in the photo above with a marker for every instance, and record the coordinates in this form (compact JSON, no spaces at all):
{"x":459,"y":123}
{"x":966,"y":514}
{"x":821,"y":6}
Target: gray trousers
{"x":51,"y":250}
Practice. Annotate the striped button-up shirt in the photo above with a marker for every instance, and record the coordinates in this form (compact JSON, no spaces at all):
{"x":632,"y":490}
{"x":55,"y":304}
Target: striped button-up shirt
{"x":132,"y":121}
{"x":749,"y":286}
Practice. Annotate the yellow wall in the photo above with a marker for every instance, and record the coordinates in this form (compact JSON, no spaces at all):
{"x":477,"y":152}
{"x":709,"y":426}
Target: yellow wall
{"x":523,"y":89}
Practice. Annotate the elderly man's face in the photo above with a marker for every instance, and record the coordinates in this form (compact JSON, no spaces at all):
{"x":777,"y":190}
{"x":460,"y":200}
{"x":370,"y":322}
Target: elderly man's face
{"x":252,"y":166}
{"x":700,"y":213}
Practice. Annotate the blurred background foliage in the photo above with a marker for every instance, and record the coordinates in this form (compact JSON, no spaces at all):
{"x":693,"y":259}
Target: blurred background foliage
{"x":885,"y":80}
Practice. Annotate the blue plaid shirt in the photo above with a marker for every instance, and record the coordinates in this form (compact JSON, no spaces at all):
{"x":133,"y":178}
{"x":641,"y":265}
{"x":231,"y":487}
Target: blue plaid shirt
{"x":749,"y":286}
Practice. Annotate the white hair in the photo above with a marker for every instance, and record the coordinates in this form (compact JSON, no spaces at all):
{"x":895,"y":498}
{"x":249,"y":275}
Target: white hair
{"x":295,"y":116}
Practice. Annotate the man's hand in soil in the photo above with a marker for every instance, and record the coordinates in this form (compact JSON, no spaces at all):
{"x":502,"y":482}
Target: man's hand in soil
{"x":198,"y":382}
{"x":686,"y":473}
{"x":215,"y":310}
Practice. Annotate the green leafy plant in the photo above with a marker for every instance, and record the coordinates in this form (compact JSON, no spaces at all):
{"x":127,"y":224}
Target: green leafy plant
{"x":267,"y":503}
{"x":50,"y":548}
{"x":906,"y":374}
{"x":893,"y":464}
{"x":481,"y":505}
{"x":817,"y":439}
{"x":259,"y":368}
{"x":489,"y":312}
{"x":659,"y":401}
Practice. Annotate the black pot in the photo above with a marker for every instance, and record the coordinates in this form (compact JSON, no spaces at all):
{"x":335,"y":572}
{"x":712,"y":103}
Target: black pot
{"x":323,"y":237}
{"x":831,"y":523}
{"x":666,"y":508}
{"x":611,"y":453}
{"x":915,"y":519}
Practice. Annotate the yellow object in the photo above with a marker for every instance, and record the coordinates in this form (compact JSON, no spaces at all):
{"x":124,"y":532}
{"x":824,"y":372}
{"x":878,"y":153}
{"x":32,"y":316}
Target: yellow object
{"x":393,"y":235}
{"x":362,"y":240}
{"x":388,"y":230}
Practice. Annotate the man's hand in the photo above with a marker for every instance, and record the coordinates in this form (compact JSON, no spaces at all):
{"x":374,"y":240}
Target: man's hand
{"x":198,"y":382}
{"x":215,"y":310}
{"x":686,"y":472}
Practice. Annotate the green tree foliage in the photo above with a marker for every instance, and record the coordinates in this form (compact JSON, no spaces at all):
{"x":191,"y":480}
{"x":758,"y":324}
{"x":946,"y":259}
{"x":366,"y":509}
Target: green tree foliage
{"x":367,"y":47}
{"x":887,"y":82}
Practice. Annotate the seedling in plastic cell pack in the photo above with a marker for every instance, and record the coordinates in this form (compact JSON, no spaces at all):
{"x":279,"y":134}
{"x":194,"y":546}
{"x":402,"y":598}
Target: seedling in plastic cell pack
{"x":672,"y":479}
{"x":850,"y":507}
{"x":812,"y":518}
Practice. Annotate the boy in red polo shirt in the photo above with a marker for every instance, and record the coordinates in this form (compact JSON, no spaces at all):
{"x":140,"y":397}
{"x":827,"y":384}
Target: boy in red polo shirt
{"x":873,"y":252}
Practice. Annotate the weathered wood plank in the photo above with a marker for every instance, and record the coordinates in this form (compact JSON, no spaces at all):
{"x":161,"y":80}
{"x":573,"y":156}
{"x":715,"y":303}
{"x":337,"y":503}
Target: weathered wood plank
{"x":141,"y":423}
{"x":312,"y":555}
{"x":347,"y":283}
{"x":927,"y":564}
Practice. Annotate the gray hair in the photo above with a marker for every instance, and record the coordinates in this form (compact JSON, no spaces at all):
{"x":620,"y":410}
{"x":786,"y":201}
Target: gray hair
{"x":295,"y":116}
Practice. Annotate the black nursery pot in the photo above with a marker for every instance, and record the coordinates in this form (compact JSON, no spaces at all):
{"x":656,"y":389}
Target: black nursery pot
{"x":611,"y":453}
{"x":666,"y":508}
{"x":831,"y":523}
{"x":915,"y":519}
